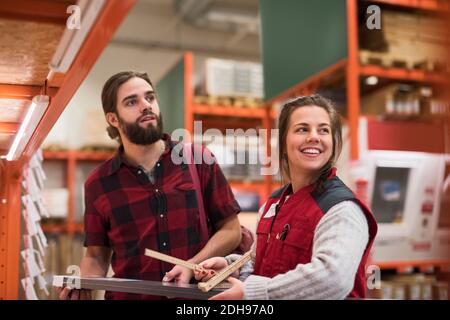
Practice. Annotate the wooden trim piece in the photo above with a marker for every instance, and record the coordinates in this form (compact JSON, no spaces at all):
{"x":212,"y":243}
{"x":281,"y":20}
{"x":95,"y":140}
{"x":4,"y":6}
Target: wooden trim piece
{"x":113,"y":13}
{"x":172,"y":260}
{"x":225,"y":273}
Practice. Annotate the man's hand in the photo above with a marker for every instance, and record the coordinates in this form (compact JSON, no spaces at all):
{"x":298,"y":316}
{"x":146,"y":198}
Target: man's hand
{"x":236,"y":292}
{"x":179,"y":274}
{"x":67,"y":293}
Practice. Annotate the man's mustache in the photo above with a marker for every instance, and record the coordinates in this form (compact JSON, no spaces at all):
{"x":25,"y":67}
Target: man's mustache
{"x":147,"y":113}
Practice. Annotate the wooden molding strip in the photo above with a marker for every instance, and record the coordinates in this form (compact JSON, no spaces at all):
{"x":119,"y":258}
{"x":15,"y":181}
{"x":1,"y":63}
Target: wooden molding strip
{"x":172,"y":260}
{"x":225,"y":273}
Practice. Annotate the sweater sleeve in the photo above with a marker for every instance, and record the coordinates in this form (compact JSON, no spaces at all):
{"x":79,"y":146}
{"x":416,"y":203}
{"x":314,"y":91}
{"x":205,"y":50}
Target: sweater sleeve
{"x":339,"y":242}
{"x":247,"y":269}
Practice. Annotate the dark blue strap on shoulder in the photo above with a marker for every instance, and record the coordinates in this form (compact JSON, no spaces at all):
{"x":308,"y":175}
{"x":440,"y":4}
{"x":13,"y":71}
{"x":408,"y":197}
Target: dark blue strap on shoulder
{"x":334,"y":192}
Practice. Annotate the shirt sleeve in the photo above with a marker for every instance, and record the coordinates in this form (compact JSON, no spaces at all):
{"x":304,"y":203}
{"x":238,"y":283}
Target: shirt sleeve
{"x":217,"y":194}
{"x":95,"y":224}
{"x":339,"y":242}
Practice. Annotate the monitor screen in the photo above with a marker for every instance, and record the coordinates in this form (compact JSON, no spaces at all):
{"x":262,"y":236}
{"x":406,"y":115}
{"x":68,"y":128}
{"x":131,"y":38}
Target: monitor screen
{"x":389,"y":194}
{"x":444,"y":214}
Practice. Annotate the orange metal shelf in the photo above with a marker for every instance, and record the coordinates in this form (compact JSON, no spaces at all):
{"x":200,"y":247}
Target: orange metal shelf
{"x":63,"y":228}
{"x":56,"y":155}
{"x":93,"y":155}
{"x":433,"y":5}
{"x":227,"y":111}
{"x":403,"y":266}
{"x":78,"y":155}
{"x":252,"y":185}
{"x":404,"y":74}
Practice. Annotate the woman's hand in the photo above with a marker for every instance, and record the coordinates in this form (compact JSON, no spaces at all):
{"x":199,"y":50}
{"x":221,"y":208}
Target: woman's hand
{"x":67,"y":293}
{"x":236,"y":292}
{"x":210,"y":268}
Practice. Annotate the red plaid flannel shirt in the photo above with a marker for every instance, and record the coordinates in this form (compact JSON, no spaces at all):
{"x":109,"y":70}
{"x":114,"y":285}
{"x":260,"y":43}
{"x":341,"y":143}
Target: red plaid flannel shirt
{"x":127,"y":213}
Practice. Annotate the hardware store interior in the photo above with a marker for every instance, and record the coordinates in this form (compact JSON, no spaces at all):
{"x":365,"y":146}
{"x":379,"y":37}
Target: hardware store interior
{"x":221,"y":66}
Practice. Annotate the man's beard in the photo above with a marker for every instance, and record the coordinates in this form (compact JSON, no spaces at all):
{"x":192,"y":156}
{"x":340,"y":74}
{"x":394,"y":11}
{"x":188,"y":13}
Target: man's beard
{"x":139,"y":135}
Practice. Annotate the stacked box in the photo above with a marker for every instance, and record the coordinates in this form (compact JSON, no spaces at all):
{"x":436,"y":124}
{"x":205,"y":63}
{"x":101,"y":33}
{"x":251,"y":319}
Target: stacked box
{"x":233,"y":78}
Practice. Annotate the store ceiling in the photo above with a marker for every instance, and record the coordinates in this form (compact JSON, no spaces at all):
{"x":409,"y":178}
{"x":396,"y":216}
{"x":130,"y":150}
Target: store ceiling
{"x":212,"y":27}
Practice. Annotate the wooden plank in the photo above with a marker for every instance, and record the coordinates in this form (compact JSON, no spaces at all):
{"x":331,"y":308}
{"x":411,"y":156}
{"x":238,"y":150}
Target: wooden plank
{"x":168,"y":289}
{"x":225,"y":273}
{"x":172,"y":260}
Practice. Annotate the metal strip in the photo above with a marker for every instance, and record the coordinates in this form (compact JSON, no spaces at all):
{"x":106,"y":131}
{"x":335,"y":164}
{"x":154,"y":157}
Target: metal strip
{"x":168,"y":289}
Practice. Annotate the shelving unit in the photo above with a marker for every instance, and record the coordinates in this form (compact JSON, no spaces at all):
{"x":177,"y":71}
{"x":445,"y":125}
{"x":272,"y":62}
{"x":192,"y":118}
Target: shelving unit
{"x":71,"y":160}
{"x":350,"y":70}
{"x":264,"y":116}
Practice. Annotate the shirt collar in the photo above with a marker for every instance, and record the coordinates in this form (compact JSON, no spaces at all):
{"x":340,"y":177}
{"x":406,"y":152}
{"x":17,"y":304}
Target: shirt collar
{"x":119,"y":158}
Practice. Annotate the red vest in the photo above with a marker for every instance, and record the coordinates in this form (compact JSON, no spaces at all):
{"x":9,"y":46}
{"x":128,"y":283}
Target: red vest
{"x":301,"y":214}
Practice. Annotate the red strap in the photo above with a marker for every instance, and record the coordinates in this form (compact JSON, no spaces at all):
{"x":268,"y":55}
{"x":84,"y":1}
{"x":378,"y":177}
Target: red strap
{"x":189,"y":156}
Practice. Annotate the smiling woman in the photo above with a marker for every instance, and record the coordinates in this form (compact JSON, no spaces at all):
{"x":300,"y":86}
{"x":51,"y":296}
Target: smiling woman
{"x":313,"y":235}
{"x":310,"y":140}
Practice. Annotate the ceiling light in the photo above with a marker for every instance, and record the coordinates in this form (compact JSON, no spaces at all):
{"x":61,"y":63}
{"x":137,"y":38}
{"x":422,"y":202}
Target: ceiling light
{"x":34,"y":114}
{"x":372,"y":80}
{"x":72,"y":39}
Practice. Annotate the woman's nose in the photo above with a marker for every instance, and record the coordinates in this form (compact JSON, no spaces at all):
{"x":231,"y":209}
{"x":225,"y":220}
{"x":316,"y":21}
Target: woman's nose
{"x":313,"y":136}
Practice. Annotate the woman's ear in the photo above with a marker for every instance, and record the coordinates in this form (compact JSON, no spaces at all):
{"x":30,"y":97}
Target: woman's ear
{"x":112,"y":120}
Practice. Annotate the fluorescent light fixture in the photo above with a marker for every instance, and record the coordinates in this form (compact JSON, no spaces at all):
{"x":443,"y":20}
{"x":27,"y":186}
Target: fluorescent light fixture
{"x":72,"y":39}
{"x":35,"y":112}
{"x":372,"y":80}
